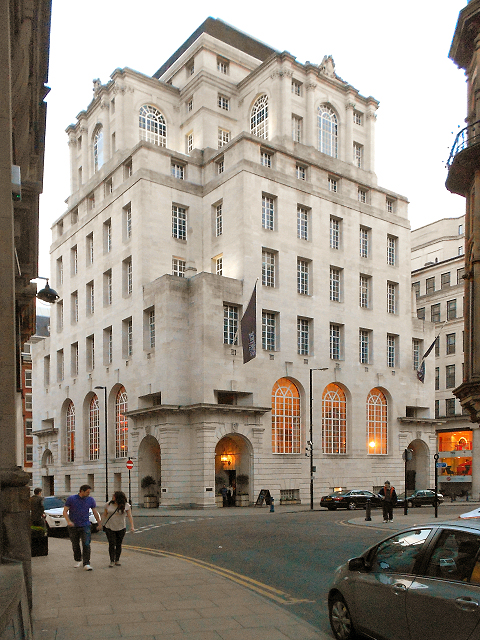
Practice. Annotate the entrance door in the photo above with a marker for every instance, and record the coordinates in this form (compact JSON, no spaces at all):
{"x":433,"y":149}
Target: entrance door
{"x":48,"y":485}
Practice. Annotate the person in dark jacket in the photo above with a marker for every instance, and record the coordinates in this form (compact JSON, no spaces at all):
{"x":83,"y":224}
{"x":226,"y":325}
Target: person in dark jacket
{"x":37,"y":515}
{"x":389,"y":499}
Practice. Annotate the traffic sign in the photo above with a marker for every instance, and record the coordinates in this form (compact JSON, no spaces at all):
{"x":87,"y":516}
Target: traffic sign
{"x":441,"y":465}
{"x":129,"y":465}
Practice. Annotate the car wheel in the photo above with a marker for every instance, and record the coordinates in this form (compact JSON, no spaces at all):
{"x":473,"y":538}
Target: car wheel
{"x":352,"y":505}
{"x":409,"y":504}
{"x":340,"y":619}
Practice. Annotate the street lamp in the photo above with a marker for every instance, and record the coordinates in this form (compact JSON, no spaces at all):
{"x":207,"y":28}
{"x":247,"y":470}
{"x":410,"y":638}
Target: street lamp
{"x":106,"y":442}
{"x":310,"y":442}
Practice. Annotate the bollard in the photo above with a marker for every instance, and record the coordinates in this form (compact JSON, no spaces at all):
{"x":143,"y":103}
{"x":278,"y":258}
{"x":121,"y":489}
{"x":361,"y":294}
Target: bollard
{"x":467,"y":497}
{"x":272,"y":506}
{"x":368,"y":511}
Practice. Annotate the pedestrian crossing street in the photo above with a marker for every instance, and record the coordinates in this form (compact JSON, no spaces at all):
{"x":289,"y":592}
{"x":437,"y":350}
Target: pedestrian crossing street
{"x":149,"y":527}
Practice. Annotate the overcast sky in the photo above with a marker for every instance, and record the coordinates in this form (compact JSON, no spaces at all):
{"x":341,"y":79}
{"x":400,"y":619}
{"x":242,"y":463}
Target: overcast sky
{"x":395,"y":52}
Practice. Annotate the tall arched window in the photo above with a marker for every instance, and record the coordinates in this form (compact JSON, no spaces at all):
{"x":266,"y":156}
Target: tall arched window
{"x":94,"y":430}
{"x":376,"y":422}
{"x":259,"y":118}
{"x":98,"y":149}
{"x":334,"y":420}
{"x":153,"y":127}
{"x":121,"y":424}
{"x":285,"y":417}
{"x":327,"y":131}
{"x":70,"y":432}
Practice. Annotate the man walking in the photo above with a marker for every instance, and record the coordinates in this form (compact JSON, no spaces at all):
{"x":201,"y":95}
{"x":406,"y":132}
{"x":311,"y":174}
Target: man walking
{"x":389,"y":498}
{"x":76,"y":512}
{"x":37,"y":515}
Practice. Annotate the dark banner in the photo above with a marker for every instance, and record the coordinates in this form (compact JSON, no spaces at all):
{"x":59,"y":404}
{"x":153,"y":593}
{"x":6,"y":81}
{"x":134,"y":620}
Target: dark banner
{"x":248,"y":325}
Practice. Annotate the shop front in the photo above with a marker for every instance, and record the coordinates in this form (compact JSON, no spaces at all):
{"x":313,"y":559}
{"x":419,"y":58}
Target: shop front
{"x":455,"y":454}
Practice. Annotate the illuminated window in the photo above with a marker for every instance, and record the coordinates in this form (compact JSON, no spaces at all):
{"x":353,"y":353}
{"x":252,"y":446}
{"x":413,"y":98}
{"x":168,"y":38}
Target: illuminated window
{"x":376,"y":422}
{"x":285,"y":417}
{"x":70,"y":433}
{"x":334,"y":420}
{"x":121,"y":424}
{"x":94,"y":430}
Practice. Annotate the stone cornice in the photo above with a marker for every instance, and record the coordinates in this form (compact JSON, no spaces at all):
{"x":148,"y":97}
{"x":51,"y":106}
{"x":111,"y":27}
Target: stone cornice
{"x":194,"y":408}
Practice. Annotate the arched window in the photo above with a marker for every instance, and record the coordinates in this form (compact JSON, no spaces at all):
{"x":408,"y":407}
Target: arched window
{"x":98,"y":149}
{"x":70,"y":432}
{"x":259,"y":118}
{"x":94,"y":429}
{"x":334,"y":420}
{"x":121,"y":424}
{"x":327,"y":131}
{"x":376,"y":422}
{"x":285,"y":417}
{"x":153,"y":127}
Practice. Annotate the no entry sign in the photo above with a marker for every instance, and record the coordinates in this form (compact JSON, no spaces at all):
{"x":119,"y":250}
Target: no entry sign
{"x":129,"y":465}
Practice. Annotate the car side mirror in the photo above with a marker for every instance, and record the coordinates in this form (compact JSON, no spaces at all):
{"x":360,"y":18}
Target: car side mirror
{"x":357,"y":564}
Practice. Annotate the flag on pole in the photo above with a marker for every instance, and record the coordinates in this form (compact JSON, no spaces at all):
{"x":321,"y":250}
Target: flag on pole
{"x":248,"y":326}
{"x":421,"y":368}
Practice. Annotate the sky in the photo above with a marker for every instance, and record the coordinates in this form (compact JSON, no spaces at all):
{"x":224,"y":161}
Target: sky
{"x":395,"y":52}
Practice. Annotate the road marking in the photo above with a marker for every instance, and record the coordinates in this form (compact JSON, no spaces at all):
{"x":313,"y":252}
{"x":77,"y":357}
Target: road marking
{"x":259,"y":587}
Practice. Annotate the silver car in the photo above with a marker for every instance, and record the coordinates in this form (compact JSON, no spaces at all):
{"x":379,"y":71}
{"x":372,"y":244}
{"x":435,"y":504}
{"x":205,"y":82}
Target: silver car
{"x":420,"y":584}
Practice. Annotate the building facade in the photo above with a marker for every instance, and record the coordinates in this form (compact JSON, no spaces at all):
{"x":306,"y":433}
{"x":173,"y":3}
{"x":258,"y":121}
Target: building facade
{"x":233,"y":165}
{"x":438,"y":269}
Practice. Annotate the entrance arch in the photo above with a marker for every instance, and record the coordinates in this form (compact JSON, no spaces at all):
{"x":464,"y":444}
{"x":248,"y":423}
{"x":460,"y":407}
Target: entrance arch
{"x":149,"y":463}
{"x":233,"y":467}
{"x":418,"y":473}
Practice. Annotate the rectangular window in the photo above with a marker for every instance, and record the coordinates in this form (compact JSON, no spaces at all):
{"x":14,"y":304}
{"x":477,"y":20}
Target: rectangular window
{"x":297,"y":125}
{"x":450,"y":407}
{"x":391,"y":350}
{"x":178,"y":170}
{"x":357,"y":117}
{"x":450,"y":376}
{"x":364,"y":291}
{"x":151,"y":328}
{"x":29,"y":453}
{"x":303,"y":336}
{"x":90,"y":298}
{"x":416,"y":347}
{"x":74,"y":358}
{"x":220,"y":166}
{"x":268,"y":268}
{"x":74,"y":260}
{"x":127,"y":221}
{"x":90,"y":349}
{"x":301,"y":172}
{"x":218,"y":262}
{"x":46,"y":371}
{"x":268,"y":213}
{"x":416,"y":288}
{"x":189,"y":142}
{"x":335,"y":344}
{"x":74,"y":307}
{"x":128,"y":169}
{"x":437,"y":378}
{"x":334,"y":233}
{"x":28,"y":399}
{"x":266,"y":159}
{"x":28,"y":378}
{"x":460,"y":274}
{"x":127,"y":269}
{"x":430,"y":285}
{"x":390,"y":205}
{"x":451,"y":309}
{"x":179,"y":222}
{"x":391,"y":297}
{"x":223,"y":137}
{"x":302,"y":223}
{"x":60,"y":271}
{"x":391,"y":250}
{"x":107,"y":346}
{"x":28,"y":427}
{"x":107,"y":287}
{"x":445,"y":280}
{"x":335,"y":284}
{"x":223,"y":102}
{"x":364,"y":346}
{"x":219,"y":220}
{"x":437,"y":408}
{"x":332,"y":184}
{"x":303,"y":268}
{"x":362,"y":195}
{"x":450,"y":343}
{"x":358,"y":155}
{"x":421,"y":313}
{"x":364,"y":242}
{"x":437,"y":346}
{"x":127,"y":335}
{"x":190,"y":105}
{"x":107,"y":236}
{"x":90,"y":248}
{"x":296,"y":88}
{"x":222,"y":66}
{"x":435,"y":312}
{"x":178,"y":267}
{"x":268,"y":331}
{"x":59,"y":306}
{"x":91,"y":202}
{"x":230,"y":324}
{"x":60,"y":366}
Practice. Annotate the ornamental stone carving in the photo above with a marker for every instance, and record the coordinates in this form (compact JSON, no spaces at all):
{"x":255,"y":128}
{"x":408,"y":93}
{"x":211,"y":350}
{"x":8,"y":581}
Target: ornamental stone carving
{"x":327,"y":67}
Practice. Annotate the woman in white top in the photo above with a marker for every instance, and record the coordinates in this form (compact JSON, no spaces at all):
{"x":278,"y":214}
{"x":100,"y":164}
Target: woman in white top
{"x":114,"y":524}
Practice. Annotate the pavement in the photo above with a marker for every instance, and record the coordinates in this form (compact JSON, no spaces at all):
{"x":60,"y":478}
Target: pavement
{"x":155,"y":594}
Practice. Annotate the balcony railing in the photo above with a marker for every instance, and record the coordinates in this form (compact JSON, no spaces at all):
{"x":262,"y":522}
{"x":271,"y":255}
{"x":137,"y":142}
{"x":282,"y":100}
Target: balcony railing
{"x":467,"y":137}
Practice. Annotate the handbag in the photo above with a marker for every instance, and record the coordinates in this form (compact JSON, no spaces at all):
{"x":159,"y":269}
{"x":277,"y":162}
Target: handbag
{"x":112,"y":514}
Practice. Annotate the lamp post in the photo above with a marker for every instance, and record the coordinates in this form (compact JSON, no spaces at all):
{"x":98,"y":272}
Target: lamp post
{"x":106,"y":441}
{"x":310,"y":442}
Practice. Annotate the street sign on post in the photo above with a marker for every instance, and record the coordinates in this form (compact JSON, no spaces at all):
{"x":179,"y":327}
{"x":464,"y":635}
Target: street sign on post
{"x":129,"y":465}
{"x":441,"y":465}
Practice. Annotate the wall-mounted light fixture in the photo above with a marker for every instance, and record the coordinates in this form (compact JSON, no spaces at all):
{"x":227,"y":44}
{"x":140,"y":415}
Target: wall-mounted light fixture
{"x":47,"y":294}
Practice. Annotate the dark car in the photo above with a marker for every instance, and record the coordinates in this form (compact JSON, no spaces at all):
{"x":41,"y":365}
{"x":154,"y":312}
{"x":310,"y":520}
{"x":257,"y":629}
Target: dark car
{"x":420,"y":584}
{"x":419,"y":498}
{"x":352,"y":499}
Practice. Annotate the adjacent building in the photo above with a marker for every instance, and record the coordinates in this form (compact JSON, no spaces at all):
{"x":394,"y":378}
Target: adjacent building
{"x":233,"y":166}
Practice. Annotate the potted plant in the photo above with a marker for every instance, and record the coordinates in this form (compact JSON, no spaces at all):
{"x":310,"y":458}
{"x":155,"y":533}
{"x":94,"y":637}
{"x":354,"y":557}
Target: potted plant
{"x":150,"y":499}
{"x":242,"y":499}
{"x":39,"y":540}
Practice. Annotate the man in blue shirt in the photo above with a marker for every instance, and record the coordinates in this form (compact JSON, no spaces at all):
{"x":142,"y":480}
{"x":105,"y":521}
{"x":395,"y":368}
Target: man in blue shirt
{"x":76,"y":512}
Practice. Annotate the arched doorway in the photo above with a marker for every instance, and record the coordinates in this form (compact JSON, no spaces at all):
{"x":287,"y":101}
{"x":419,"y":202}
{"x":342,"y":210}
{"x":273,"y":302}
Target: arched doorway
{"x":418,"y":473}
{"x":149,"y":464}
{"x":48,"y":481}
{"x":233,"y":468}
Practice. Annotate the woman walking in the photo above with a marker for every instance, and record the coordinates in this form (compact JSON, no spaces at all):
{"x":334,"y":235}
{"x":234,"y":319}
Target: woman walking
{"x":114,"y":524}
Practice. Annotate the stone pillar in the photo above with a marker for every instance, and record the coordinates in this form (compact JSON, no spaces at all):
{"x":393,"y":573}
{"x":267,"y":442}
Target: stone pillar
{"x":311,"y":119}
{"x":85,"y":151}
{"x":72,"y":144}
{"x":349,"y":109}
{"x":371,"y":118}
{"x":203,"y":465}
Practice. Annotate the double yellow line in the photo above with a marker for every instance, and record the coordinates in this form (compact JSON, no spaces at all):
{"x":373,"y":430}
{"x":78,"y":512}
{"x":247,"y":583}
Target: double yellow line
{"x":263,"y":589}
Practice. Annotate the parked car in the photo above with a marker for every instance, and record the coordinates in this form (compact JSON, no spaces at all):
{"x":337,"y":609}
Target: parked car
{"x":419,"y":498}
{"x":53,"y":507}
{"x":349,"y":499}
{"x":414,"y":585}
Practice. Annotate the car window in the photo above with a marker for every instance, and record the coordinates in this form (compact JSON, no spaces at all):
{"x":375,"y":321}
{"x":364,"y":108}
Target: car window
{"x":53,"y":503}
{"x":455,"y":557}
{"x":398,"y":554}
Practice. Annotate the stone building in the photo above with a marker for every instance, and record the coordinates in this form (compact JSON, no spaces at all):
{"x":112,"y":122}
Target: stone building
{"x":438,"y":268}
{"x":233,"y":165}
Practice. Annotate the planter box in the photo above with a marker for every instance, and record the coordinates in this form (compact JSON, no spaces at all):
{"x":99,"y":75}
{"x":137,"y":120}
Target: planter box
{"x":242,"y":501}
{"x":39,"y":542}
{"x":150,"y":502}
{"x":219,"y":501}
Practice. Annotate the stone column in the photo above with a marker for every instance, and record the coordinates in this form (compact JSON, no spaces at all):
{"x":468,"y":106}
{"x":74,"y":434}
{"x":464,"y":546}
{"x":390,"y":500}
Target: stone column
{"x":349,"y":108}
{"x":371,"y":118}
{"x":311,"y":119}
{"x":72,"y":144}
{"x":203,"y":465}
{"x":85,"y":148}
